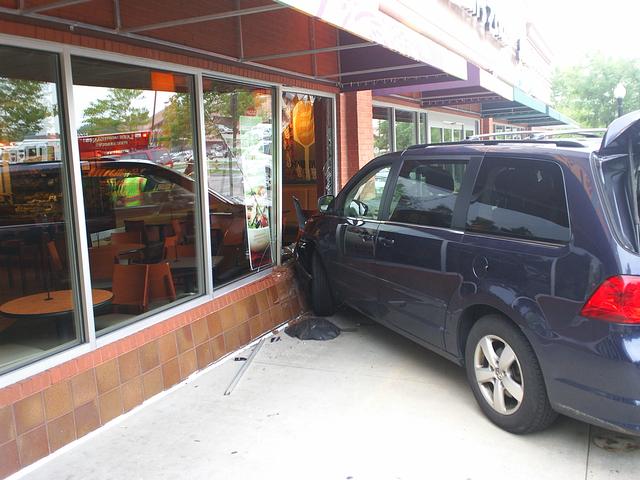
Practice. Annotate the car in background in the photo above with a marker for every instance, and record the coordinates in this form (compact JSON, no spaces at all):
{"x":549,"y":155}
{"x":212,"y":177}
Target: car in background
{"x":160,"y":156}
{"x":517,"y":259}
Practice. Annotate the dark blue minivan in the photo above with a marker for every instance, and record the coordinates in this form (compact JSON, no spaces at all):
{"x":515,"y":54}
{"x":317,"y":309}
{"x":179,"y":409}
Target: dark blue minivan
{"x":518,"y":259}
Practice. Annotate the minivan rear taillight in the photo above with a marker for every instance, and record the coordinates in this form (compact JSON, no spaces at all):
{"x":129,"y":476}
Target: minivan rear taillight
{"x":616,"y":300}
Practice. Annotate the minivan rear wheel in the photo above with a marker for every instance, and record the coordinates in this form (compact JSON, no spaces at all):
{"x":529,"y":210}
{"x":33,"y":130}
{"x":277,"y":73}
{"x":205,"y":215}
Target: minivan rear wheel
{"x":322,"y":302}
{"x":505,"y":376}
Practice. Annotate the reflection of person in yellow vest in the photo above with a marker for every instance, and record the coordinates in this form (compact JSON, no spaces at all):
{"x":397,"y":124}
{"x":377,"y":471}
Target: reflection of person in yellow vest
{"x":132,"y":189}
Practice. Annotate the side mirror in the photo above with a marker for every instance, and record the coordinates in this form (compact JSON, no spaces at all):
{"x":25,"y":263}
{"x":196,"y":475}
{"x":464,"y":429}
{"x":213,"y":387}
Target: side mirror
{"x":324,"y":202}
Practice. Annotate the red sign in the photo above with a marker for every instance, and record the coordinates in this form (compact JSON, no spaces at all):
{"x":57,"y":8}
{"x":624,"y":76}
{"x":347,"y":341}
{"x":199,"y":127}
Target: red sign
{"x":97,"y":146}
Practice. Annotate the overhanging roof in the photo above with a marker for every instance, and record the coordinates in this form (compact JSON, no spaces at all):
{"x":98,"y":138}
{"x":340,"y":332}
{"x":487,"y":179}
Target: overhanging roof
{"x":524,"y":109}
{"x":348,"y":45}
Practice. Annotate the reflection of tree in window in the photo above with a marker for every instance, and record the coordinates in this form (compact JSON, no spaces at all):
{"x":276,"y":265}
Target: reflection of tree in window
{"x":115,"y":113}
{"x":23,"y":108}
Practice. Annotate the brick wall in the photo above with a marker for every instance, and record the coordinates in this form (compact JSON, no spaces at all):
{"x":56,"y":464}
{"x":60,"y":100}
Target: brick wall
{"x":355,"y":111}
{"x":51,"y":409}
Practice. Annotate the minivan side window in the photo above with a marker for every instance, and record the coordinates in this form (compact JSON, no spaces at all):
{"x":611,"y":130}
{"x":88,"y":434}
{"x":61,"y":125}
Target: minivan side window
{"x":364,"y":199}
{"x":519,"y":198}
{"x":426,"y":192}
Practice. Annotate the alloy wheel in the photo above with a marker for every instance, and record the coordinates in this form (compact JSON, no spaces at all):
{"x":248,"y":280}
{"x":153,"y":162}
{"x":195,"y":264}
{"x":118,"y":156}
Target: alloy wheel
{"x":499,"y":375}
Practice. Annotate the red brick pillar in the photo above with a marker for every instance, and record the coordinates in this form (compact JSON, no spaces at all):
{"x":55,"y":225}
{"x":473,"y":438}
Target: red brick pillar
{"x":486,"y":125}
{"x":355,"y":133}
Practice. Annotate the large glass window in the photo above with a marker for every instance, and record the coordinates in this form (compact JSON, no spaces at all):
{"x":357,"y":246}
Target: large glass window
{"x":405,"y":129}
{"x":381,"y":130}
{"x":36,"y":301}
{"x":422,"y":130}
{"x":136,"y":140}
{"x":426,"y":192}
{"x":436,"y":135}
{"x":307,"y":158}
{"x":365,"y":198}
{"x":239,"y":139}
{"x":523,"y":199}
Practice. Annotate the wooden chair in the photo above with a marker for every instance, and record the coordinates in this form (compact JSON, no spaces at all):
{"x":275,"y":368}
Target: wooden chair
{"x":57,"y":270}
{"x":178,"y":231}
{"x":160,"y":283}
{"x":131,"y":286}
{"x":188,"y":250}
{"x":118,"y":238}
{"x":171,"y":247}
{"x":136,"y":226}
{"x":101,"y":261}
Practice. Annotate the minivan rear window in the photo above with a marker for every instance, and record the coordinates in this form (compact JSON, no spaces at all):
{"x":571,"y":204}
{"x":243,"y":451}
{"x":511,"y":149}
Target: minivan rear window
{"x":521,"y":199}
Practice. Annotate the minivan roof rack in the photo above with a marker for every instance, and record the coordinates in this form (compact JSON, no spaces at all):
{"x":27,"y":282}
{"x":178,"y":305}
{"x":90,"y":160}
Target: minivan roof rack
{"x":557,"y":143}
{"x":542,"y":134}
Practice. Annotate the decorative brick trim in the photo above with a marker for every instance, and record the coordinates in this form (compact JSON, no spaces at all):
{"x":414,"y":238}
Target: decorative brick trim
{"x":44,"y":412}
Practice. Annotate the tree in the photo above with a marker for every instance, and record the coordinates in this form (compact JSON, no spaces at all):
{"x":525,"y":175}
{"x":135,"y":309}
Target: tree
{"x":584,"y":92}
{"x":176,"y":130}
{"x":115,"y":113}
{"x":23,"y":108}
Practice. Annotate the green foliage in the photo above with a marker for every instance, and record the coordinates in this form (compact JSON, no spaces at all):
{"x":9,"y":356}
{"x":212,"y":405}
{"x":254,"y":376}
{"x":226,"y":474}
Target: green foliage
{"x":23,"y":108}
{"x":584,"y":92}
{"x":115,"y":113}
{"x":381,"y":141}
{"x":219,"y":106}
{"x":405,"y":135}
{"x":176,"y":128}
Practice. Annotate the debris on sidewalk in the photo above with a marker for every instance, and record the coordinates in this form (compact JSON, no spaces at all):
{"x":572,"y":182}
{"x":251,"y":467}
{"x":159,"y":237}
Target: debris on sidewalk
{"x":247,"y":361}
{"x":313,"y":328}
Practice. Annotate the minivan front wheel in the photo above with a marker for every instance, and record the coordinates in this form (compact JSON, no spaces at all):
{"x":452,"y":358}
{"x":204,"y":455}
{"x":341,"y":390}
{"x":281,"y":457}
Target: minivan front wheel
{"x":505,"y":376}
{"x":322,"y":302}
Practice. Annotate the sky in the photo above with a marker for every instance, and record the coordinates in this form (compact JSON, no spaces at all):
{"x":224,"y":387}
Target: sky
{"x":573,"y":28}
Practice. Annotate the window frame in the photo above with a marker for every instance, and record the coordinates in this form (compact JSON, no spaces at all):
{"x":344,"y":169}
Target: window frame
{"x":393,"y":163}
{"x":497,"y":235}
{"x":464,"y":195}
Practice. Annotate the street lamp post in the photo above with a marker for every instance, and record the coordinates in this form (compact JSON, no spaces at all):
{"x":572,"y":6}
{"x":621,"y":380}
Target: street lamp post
{"x":619,"y":92}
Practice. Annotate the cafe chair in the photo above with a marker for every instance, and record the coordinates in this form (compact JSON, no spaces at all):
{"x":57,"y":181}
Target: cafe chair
{"x":153,"y":252}
{"x":130,"y":287}
{"x":57,"y":270}
{"x":136,"y":226}
{"x":118,"y":238}
{"x":160,"y":284}
{"x":171,"y":248}
{"x":188,"y":250}
{"x":101,"y":261}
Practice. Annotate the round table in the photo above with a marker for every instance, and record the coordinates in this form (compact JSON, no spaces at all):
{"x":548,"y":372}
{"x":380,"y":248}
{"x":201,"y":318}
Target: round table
{"x":57,"y":304}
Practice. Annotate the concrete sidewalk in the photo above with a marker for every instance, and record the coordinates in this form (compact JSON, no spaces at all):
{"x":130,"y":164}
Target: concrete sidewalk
{"x":367,"y":405}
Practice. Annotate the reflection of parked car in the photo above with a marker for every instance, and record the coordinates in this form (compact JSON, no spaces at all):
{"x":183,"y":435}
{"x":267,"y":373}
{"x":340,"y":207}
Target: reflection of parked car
{"x":162,"y":190}
{"x":156,"y":155}
{"x":519,"y":260}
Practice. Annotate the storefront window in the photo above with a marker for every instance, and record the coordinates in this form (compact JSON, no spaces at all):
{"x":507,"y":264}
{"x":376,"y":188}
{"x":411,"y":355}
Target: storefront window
{"x":307,"y":157}
{"x":405,"y":129}
{"x":448,"y":135}
{"x":381,"y":130}
{"x":422,"y":130}
{"x":239,"y":140}
{"x":136,"y":142}
{"x":436,"y":135}
{"x":37,"y":303}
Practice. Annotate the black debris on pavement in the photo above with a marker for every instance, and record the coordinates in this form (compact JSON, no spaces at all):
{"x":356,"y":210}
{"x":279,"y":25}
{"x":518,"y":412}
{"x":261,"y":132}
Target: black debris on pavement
{"x":313,"y":328}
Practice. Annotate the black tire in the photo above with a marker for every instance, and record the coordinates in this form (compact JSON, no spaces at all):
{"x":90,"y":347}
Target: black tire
{"x":533,"y":411}
{"x":322,"y":302}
